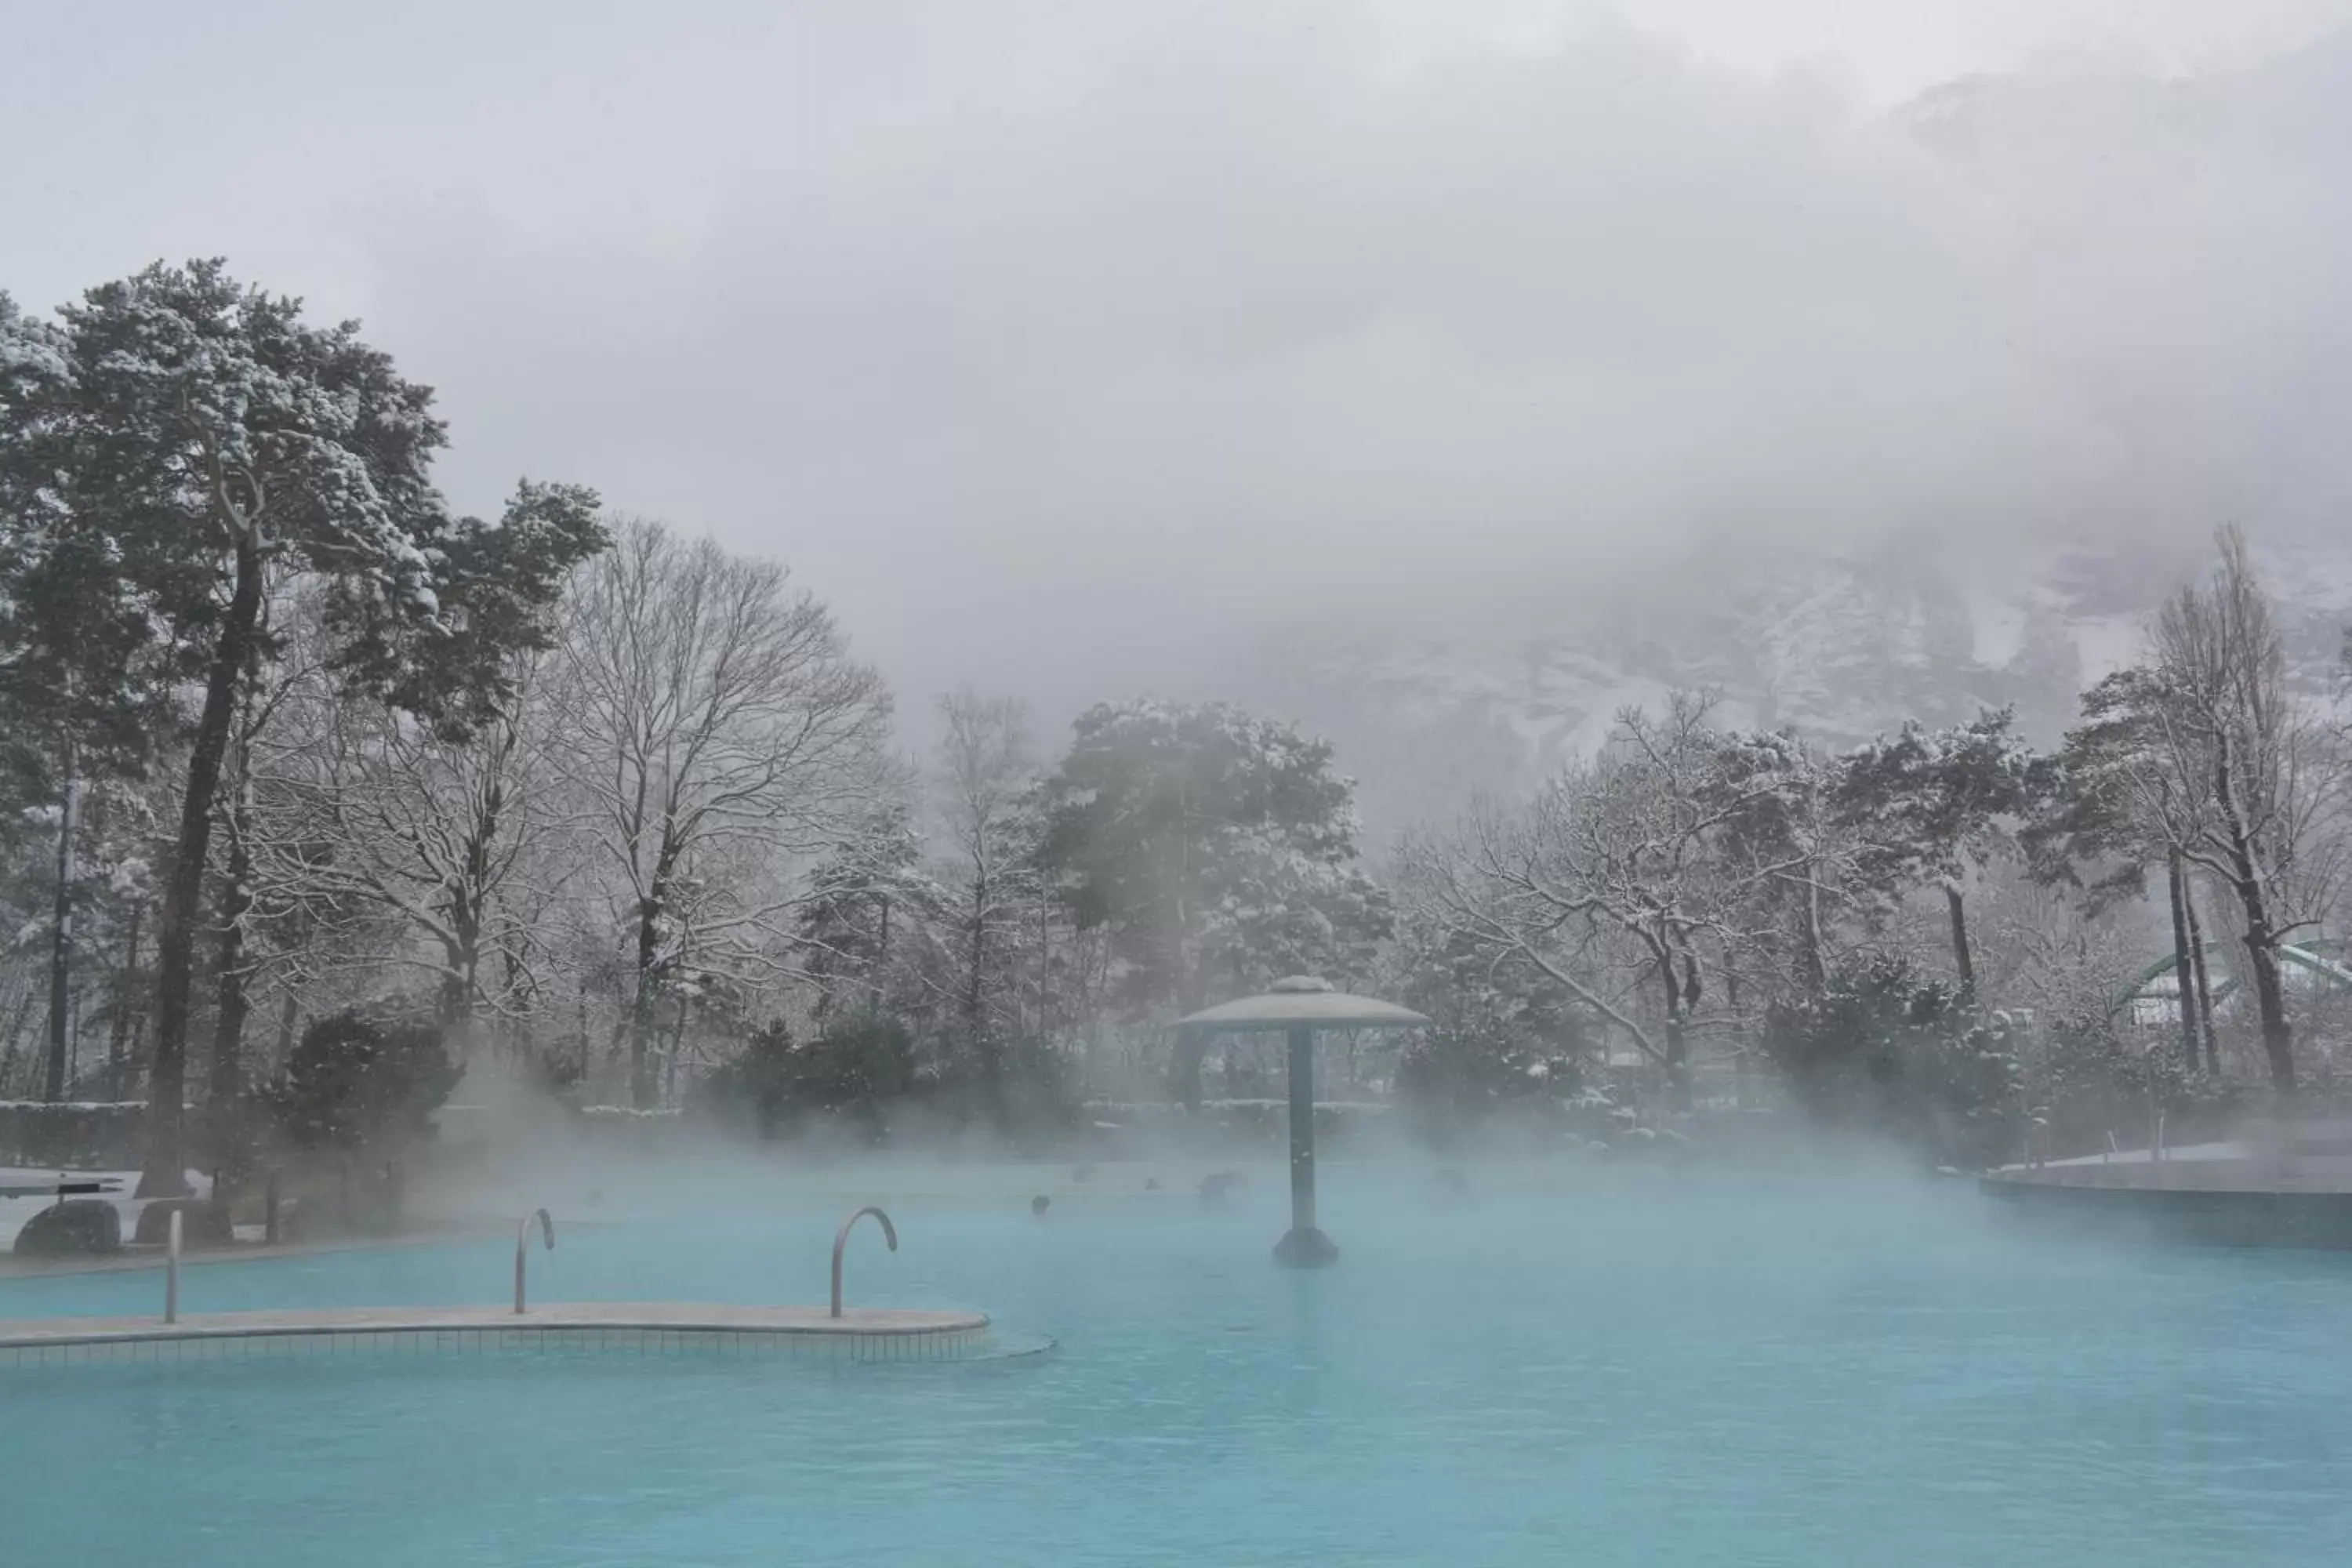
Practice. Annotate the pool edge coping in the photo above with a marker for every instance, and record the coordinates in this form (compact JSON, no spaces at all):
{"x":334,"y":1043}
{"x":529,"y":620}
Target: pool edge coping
{"x":659,"y":1317}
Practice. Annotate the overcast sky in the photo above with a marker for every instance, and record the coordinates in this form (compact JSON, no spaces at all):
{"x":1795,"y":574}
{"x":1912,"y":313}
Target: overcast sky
{"x":1057,"y":343}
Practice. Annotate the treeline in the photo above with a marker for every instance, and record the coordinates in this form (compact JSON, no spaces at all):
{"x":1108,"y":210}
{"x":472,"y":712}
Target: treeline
{"x":617,"y":811}
{"x":297,"y":761}
{"x":1941,"y":927}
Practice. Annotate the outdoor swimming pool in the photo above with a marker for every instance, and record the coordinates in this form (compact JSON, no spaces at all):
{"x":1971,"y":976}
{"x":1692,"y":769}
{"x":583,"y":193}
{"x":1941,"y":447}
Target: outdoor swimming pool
{"x":1631,"y":1367}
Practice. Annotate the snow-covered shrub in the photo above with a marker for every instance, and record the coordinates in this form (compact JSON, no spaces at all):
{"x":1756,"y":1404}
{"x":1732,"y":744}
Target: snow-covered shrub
{"x":1887,"y":1052}
{"x":351,"y":1081}
{"x":1030,"y":1089}
{"x":855,"y":1074}
{"x":2088,"y":1077}
{"x":1451,"y":1083}
{"x":75,"y":1135}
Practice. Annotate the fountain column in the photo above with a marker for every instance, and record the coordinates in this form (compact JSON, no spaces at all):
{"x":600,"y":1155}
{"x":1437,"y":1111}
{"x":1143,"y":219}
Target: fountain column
{"x":1304,"y":1246}
{"x":1295,"y":1008}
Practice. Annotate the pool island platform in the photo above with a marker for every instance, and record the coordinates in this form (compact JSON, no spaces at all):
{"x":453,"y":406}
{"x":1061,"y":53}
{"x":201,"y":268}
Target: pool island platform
{"x":2287,"y":1187}
{"x":632,"y":1328}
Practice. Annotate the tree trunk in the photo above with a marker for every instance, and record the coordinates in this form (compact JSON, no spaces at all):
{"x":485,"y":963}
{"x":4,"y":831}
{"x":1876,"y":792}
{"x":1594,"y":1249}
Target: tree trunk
{"x":61,"y":936}
{"x":14,"y":1035}
{"x":641,"y":1011}
{"x":650,"y":910}
{"x":165,"y":1175}
{"x":641,"y":1006}
{"x":226,"y":1085}
{"x":1817,"y":979}
{"x":468,"y":898}
{"x":460,"y":985}
{"x":975,"y":1003}
{"x":975,"y":990}
{"x":677,"y":1051}
{"x":2184,"y":961}
{"x":1045,"y":970}
{"x":2261,"y":942}
{"x":518,"y":1036}
{"x":1678,"y":1084}
{"x":2204,"y":976}
{"x":2269,"y":998}
{"x":126,"y":983}
{"x":1962,"y":957}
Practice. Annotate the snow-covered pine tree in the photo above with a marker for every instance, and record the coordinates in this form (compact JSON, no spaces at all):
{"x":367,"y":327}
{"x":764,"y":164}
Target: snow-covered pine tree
{"x":1218,"y":848}
{"x":223,"y":441}
{"x":1930,"y":805}
{"x":86,"y":683}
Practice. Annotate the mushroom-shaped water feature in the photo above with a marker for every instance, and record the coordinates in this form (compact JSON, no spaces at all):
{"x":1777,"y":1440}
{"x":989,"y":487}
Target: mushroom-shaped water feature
{"x":1297,"y":1007}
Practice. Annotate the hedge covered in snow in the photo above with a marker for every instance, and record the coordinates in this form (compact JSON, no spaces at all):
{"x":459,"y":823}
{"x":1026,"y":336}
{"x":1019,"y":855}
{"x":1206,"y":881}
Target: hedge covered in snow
{"x":102,"y":1135}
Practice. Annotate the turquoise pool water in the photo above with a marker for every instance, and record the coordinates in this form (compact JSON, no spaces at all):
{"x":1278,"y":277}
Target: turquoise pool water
{"x":1630,"y":1369}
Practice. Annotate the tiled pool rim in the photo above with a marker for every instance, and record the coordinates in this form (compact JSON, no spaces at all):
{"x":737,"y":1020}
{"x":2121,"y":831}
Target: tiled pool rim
{"x":868,"y":1333}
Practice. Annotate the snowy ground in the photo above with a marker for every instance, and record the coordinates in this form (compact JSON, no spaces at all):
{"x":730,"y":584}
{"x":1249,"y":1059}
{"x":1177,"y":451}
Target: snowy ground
{"x":2178,"y":1152}
{"x":15,"y":1212}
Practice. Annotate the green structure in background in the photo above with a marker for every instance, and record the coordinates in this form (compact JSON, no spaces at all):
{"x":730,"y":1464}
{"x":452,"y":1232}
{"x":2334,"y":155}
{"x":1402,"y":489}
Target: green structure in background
{"x":2302,"y":958}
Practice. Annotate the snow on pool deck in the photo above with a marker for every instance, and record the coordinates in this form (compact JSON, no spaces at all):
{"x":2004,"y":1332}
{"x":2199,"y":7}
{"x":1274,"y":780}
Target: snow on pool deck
{"x":868,"y":1332}
{"x":15,"y":1212}
{"x":2176,"y":1154}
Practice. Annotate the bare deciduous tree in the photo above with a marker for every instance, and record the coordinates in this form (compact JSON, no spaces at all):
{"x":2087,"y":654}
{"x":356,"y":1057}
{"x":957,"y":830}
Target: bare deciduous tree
{"x":1646,"y":851}
{"x":985,"y":772}
{"x":715,"y":732}
{"x":365,"y":813}
{"x":2241,"y":764}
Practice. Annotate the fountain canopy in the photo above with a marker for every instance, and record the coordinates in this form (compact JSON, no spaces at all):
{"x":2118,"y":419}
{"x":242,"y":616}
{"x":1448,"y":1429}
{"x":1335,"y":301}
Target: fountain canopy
{"x":1297,"y":1008}
{"x":1302,"y":999}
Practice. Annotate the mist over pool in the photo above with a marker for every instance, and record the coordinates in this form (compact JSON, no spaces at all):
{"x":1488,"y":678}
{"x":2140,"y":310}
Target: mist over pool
{"x":1607,"y":1366}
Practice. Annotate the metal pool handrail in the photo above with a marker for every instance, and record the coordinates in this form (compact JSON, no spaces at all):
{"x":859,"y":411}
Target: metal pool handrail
{"x":841,"y":1239}
{"x":171,"y":1271}
{"x":522,"y":1247}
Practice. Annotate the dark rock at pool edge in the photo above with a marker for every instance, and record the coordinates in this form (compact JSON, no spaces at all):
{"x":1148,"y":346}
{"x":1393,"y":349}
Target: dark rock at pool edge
{"x":206,"y":1223}
{"x":78,"y":1227}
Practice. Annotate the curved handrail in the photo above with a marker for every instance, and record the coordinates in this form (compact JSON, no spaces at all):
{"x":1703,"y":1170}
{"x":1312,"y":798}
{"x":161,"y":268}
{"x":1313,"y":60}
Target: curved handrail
{"x":522,"y":1247}
{"x":841,"y":1239}
{"x":172,"y":1270}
